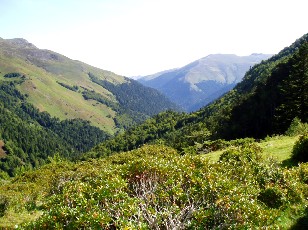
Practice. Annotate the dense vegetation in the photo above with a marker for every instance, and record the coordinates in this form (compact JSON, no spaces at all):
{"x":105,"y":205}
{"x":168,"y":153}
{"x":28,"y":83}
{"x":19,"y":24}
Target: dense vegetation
{"x":73,"y":88}
{"x":30,"y":136}
{"x":154,"y":187}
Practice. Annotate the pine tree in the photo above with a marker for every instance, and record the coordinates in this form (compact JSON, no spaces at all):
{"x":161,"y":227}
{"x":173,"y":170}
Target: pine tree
{"x":294,"y":88}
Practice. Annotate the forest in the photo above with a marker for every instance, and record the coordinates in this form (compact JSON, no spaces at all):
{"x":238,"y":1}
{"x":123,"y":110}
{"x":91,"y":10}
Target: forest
{"x":31,"y":136}
{"x":238,"y":163}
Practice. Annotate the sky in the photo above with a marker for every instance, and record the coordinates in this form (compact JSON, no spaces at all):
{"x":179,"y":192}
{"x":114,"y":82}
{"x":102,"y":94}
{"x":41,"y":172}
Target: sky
{"x":141,"y":37}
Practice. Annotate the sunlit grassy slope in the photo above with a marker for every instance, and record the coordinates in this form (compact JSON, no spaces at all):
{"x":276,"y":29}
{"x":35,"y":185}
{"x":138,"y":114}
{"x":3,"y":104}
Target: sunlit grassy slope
{"x":43,"y":69}
{"x":278,"y":147}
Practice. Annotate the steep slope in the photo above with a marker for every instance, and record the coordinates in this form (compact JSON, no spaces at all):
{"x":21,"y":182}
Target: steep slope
{"x":29,"y":137}
{"x":204,"y":80}
{"x":270,"y":96}
{"x":65,"y":89}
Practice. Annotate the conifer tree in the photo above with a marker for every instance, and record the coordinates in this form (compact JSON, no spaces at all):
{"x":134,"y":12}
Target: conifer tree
{"x":294,"y":88}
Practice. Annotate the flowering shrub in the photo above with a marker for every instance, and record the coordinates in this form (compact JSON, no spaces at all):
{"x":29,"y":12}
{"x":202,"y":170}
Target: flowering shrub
{"x":155,"y":188}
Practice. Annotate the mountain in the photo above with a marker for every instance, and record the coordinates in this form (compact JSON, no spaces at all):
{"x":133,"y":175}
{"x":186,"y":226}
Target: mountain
{"x":202,"y":81}
{"x":270,"y":96}
{"x":69,"y":89}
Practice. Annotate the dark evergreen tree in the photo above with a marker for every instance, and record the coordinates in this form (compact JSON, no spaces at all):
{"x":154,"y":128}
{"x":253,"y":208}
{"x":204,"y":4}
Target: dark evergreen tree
{"x":294,"y":88}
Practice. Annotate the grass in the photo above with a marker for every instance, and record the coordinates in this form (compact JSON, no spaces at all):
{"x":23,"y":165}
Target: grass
{"x":13,"y":219}
{"x":278,"y":147}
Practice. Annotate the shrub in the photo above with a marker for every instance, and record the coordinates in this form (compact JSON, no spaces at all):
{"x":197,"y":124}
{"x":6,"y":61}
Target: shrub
{"x":272,"y":197}
{"x":3,"y":205}
{"x":246,"y":152}
{"x":300,"y":149}
{"x":12,"y":75}
{"x":303,"y":173}
{"x":297,"y":128}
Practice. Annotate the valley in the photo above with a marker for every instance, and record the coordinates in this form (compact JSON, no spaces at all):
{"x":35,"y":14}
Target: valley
{"x":84,"y":148}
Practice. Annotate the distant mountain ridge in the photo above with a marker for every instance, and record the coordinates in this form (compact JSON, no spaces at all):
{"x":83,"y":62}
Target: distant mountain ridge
{"x":70,"y":89}
{"x":203,"y":80}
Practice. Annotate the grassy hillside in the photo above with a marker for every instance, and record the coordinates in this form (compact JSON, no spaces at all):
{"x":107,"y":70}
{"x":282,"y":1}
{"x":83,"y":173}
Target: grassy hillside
{"x":155,"y":187}
{"x":277,"y":147}
{"x":46,"y":73}
{"x":43,"y":69}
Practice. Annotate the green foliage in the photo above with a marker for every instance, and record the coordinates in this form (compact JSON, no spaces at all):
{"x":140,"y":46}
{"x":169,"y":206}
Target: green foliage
{"x":87,"y":94}
{"x":135,"y":100}
{"x":12,"y":75}
{"x":249,"y":152}
{"x":300,"y":149}
{"x":30,"y":136}
{"x":297,"y":128}
{"x":3,"y":205}
{"x":303,"y":173}
{"x":168,"y":128}
{"x":272,"y":197}
{"x":73,"y":88}
{"x":154,"y":187}
{"x":293,"y":88}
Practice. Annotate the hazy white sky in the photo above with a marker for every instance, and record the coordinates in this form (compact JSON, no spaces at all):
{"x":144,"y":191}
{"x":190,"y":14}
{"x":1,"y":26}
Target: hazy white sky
{"x":140,"y":37}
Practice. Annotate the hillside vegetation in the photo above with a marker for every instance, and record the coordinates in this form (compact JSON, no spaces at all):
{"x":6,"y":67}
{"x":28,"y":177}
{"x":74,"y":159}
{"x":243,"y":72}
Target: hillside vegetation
{"x":270,"y":96}
{"x":154,"y":187}
{"x":30,"y":137}
{"x":61,"y":87}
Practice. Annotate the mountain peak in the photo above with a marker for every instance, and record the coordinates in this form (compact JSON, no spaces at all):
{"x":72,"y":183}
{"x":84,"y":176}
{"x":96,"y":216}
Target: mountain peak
{"x":203,"y":80}
{"x":21,"y":42}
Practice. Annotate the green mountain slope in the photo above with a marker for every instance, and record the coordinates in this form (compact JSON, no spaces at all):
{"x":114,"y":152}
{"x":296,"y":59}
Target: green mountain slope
{"x":265,"y":102}
{"x":29,"y":137}
{"x":64,"y":88}
{"x":270,"y":96}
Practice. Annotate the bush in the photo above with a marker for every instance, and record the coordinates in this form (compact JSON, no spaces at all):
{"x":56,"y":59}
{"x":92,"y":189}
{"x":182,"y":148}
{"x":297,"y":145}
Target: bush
{"x":297,"y":128}
{"x":300,"y":149}
{"x":272,"y":197}
{"x":3,"y":205}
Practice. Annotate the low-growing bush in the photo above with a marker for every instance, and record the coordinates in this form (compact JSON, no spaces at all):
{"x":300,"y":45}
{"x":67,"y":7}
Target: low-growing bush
{"x":300,"y":149}
{"x":3,"y":205}
{"x":272,"y":197}
{"x":297,"y":128}
{"x":155,"y":187}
